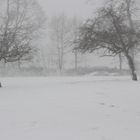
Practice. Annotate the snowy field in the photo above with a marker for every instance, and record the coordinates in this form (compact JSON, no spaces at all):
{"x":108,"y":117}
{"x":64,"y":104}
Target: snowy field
{"x":70,"y":108}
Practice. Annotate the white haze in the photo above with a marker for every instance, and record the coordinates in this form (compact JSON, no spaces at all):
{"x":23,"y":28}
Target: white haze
{"x":82,"y":8}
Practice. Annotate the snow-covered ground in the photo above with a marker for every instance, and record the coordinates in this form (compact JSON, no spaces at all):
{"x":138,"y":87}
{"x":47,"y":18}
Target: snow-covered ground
{"x":70,"y":108}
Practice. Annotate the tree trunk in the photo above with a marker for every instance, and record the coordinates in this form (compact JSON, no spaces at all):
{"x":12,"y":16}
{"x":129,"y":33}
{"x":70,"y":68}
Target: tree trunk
{"x":76,"y":60}
{"x":120,"y":60}
{"x":19,"y":65}
{"x":132,"y":67}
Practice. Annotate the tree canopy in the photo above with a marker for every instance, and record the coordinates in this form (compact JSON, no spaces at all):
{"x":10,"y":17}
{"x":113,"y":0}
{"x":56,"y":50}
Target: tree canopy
{"x":114,"y":30}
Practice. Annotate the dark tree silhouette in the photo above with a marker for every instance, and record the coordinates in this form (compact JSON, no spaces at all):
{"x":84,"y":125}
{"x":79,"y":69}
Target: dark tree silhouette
{"x":19,"y":23}
{"x":113,"y":31}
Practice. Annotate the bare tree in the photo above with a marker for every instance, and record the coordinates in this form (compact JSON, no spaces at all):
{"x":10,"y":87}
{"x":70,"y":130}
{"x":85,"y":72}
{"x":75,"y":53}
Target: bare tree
{"x":61,"y":37}
{"x":20,"y":22}
{"x":113,"y":31}
{"x":76,"y":23}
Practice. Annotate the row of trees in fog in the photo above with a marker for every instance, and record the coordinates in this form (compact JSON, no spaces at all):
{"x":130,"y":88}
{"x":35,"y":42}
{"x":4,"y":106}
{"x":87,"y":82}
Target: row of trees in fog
{"x":63,"y":33}
{"x":23,"y":22}
{"x":114,"y":30}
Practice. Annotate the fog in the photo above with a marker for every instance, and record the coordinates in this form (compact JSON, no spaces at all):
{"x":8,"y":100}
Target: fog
{"x":60,"y":22}
{"x":82,"y":8}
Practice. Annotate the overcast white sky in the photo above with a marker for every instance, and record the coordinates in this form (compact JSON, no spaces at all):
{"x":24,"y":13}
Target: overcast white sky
{"x":70,"y":7}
